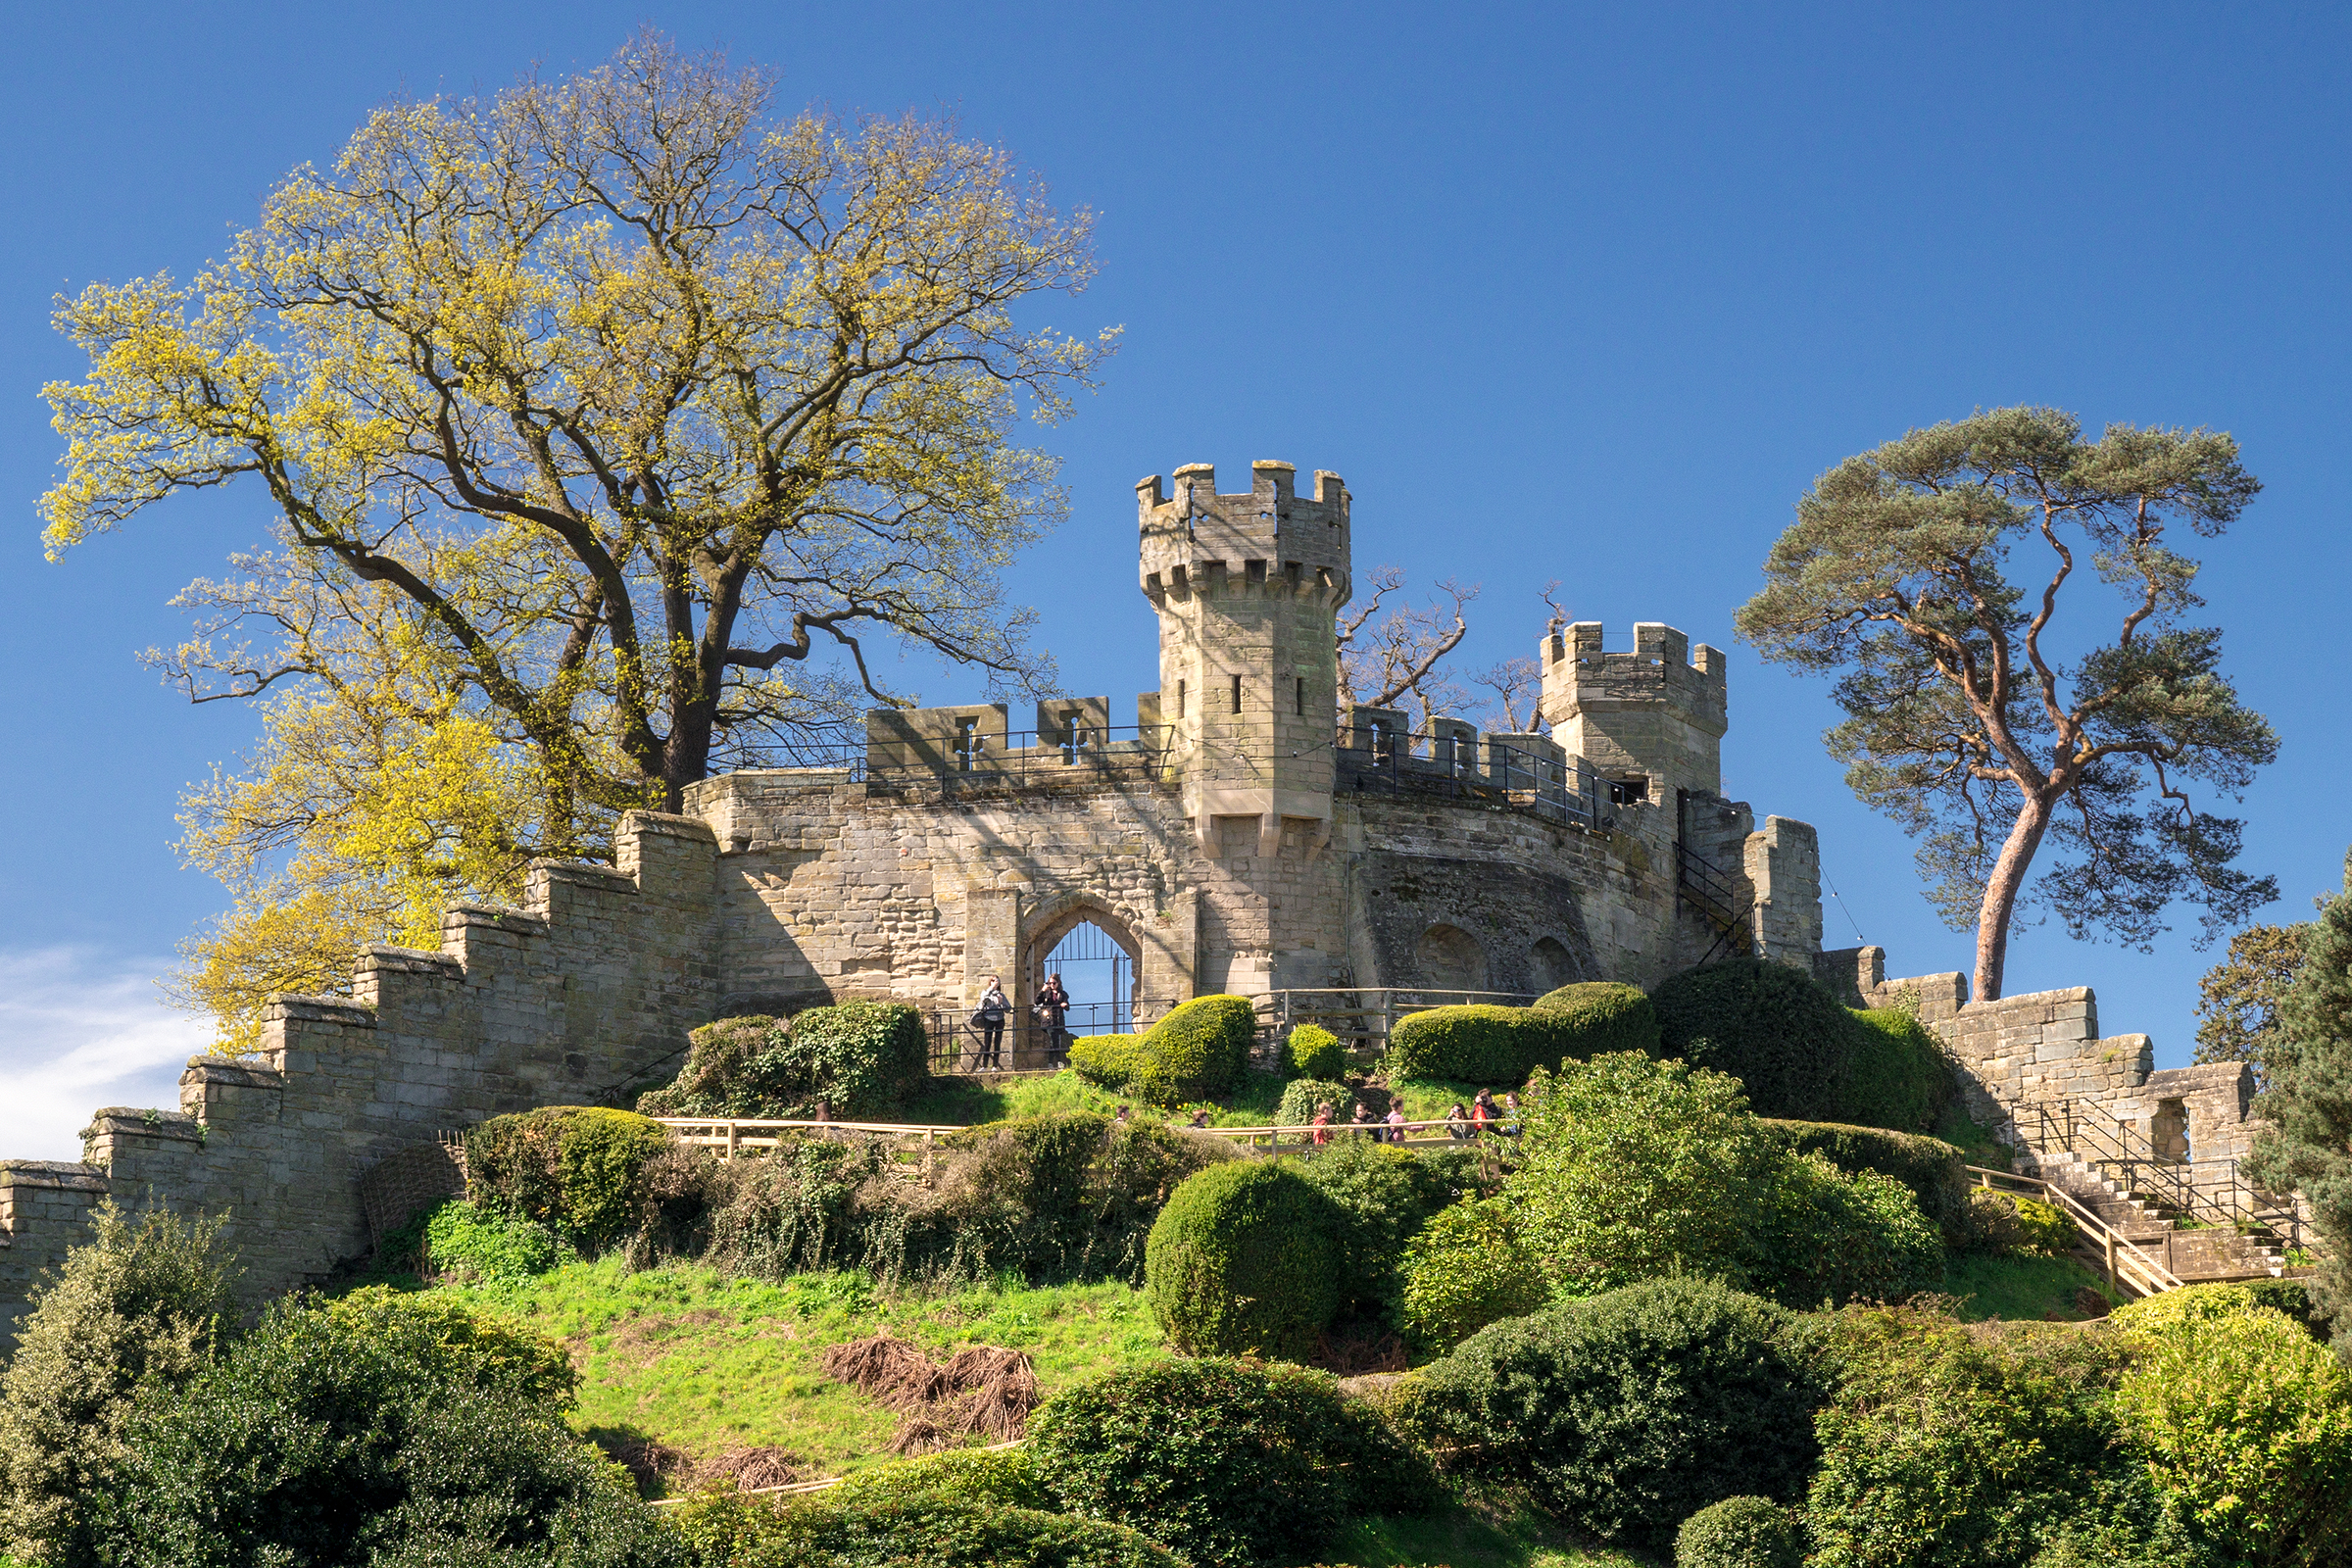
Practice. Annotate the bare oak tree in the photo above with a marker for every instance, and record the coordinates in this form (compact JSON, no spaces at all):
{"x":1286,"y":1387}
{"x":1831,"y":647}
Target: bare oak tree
{"x":1395,"y":659}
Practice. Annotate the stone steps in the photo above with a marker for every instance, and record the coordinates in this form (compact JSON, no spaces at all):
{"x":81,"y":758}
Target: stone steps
{"x":2196,"y":1254}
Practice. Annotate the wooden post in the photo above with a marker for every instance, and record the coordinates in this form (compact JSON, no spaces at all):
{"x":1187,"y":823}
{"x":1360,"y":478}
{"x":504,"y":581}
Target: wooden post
{"x":2110,"y":1238}
{"x":734,"y":1138}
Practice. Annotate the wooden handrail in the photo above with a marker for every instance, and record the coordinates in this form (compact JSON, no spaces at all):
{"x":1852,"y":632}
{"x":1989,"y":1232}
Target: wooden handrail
{"x":2123,"y":1261}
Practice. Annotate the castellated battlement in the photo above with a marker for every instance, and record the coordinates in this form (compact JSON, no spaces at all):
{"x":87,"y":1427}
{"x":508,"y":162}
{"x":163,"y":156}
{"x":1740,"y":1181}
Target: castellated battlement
{"x":1656,"y":714}
{"x":1267,"y":540}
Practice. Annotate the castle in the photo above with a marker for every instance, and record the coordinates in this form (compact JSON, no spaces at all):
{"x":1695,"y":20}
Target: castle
{"x":1245,"y":835}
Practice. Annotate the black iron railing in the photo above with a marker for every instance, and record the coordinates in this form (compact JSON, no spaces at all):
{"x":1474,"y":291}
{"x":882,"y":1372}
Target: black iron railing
{"x":960,"y":1043}
{"x":2209,"y":1192}
{"x":1706,"y":887}
{"x":1448,"y":765}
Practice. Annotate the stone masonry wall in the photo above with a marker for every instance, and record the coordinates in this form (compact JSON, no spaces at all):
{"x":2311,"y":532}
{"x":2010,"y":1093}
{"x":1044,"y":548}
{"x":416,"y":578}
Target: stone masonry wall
{"x":593,"y":985}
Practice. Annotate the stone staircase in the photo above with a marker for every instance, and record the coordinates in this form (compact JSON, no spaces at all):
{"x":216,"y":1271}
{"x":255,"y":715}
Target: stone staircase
{"x":2196,"y":1253}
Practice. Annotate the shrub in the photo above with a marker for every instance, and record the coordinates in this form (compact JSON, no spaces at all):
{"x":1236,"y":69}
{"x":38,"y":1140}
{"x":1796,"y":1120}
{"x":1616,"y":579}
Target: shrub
{"x":2044,"y":1226}
{"x":1070,"y":1196}
{"x":935,"y":1532}
{"x":371,"y":1430}
{"x":2245,"y":1422}
{"x":1382,"y":1196}
{"x":1932,"y":1168}
{"x":1773,"y":1027}
{"x":1606,"y":1017}
{"x":1312,"y":1051}
{"x":1300,"y":1096}
{"x":1961,"y":1447}
{"x":1900,"y":1076}
{"x":130,"y":1313}
{"x":1478,"y":1042}
{"x":1246,"y":1260}
{"x":1632,"y":1168}
{"x":1006,"y":1475}
{"x":1467,"y":1268}
{"x":1108,"y":1062}
{"x":1740,"y":1533}
{"x":462,"y":1238}
{"x":1836,"y":1237}
{"x":1200,"y":1048}
{"x":862,"y":1058}
{"x":2292,"y":1297}
{"x":1627,"y":1413}
{"x":1226,"y":1462}
{"x":572,"y":1168}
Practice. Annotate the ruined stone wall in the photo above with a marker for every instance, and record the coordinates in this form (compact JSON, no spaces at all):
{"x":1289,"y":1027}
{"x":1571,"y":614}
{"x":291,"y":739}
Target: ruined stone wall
{"x":592,"y":986}
{"x":2026,"y":1063}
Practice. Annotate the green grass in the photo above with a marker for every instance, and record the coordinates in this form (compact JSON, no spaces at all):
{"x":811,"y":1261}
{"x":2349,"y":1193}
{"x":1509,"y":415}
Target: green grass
{"x":710,"y":1364}
{"x":1976,"y":1146}
{"x":1480,"y":1532}
{"x":967,"y":1103}
{"x":2026,"y":1289}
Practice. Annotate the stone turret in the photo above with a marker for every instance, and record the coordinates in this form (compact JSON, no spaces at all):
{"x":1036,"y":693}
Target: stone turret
{"x":1246,"y":587}
{"x":1650,"y":722}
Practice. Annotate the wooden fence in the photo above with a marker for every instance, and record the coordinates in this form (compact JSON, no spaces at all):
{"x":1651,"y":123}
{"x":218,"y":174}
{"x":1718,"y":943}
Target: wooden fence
{"x":734,"y":1135}
{"x":2127,"y":1267}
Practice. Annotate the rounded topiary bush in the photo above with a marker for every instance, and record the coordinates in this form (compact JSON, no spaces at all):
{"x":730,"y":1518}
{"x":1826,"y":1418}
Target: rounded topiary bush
{"x":861,"y":1058}
{"x":1108,"y":1062}
{"x":1776,"y":1029}
{"x":1200,"y":1048}
{"x":1626,"y":1413}
{"x":1313,"y":1052}
{"x":1740,"y":1533}
{"x":1301,"y":1098}
{"x":1604,"y":1016}
{"x":1246,"y":1259}
{"x":1478,"y":1044}
{"x":1227,"y":1463}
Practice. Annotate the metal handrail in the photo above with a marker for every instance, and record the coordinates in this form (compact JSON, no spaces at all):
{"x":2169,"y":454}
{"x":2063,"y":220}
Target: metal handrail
{"x":1701,"y":884}
{"x":2125,"y":1262}
{"x":1369,"y":759}
{"x":2227,"y":1200}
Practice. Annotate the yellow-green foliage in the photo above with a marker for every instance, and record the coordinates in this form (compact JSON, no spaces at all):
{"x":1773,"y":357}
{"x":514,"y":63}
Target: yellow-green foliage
{"x":1313,"y":1052}
{"x":2245,"y":1421}
{"x":460,"y":1341}
{"x":1930,"y":1167}
{"x":972,"y":1475}
{"x":1200,"y":1048}
{"x":1478,"y":1042}
{"x":1465,"y":1269}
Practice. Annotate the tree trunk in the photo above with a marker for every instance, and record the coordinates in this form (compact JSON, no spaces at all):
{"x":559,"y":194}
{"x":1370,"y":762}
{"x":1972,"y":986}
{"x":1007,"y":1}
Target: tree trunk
{"x":2000,"y":896}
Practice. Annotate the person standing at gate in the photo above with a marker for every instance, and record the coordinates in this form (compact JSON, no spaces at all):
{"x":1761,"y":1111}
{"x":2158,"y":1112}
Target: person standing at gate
{"x":1053,"y":1006}
{"x":993,"y":1006}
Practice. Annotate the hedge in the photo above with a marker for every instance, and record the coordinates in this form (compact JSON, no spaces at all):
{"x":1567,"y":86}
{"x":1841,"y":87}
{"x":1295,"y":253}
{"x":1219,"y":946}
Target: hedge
{"x":1741,"y":1533}
{"x":1776,"y":1029}
{"x":1900,"y":1076}
{"x":1609,"y":1015}
{"x":1932,"y":1168}
{"x":1198,"y":1050}
{"x":1246,"y":1259}
{"x":1478,"y":1042}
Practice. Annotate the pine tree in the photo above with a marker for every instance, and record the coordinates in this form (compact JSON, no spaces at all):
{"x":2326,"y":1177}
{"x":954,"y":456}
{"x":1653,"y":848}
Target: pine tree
{"x":2308,"y":1149}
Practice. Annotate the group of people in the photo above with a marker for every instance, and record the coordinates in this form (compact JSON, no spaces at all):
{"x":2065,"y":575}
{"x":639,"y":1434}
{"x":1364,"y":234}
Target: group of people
{"x":1483,"y":1115}
{"x":1051,"y":1009}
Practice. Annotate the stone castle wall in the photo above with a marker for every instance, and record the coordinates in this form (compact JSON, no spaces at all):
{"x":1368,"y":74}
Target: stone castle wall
{"x":589,"y":988}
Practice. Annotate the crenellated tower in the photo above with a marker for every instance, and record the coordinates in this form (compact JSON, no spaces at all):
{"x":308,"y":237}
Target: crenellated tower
{"x":1650,"y":722}
{"x":1246,"y":587}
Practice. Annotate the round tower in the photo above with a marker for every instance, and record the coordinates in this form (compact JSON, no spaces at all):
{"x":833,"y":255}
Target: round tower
{"x":1246,"y":587}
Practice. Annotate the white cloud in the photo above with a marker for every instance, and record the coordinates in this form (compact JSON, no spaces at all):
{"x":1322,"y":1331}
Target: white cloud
{"x":82,"y":1029}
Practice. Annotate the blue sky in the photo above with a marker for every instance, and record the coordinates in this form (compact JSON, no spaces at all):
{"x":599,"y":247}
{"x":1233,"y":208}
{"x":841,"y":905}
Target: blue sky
{"x":1576,"y":293}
